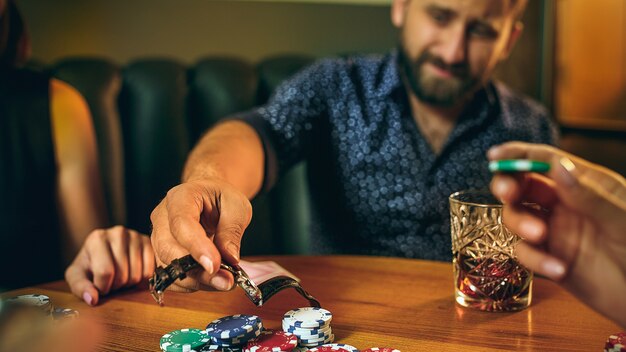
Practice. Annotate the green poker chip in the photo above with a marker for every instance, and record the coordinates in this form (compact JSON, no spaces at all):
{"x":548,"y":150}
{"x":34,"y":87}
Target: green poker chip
{"x":184,"y":340}
{"x":516,"y":165}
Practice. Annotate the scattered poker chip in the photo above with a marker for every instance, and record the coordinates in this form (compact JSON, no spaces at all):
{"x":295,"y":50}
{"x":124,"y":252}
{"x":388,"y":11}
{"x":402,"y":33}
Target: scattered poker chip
{"x":233,"y":326}
{"x":380,"y":349}
{"x":272,"y":341}
{"x":308,"y":317}
{"x":64,"y":313}
{"x":184,"y":340}
{"x":518,"y":166}
{"x":334,"y":347}
{"x":36,"y":300}
{"x":616,"y":343}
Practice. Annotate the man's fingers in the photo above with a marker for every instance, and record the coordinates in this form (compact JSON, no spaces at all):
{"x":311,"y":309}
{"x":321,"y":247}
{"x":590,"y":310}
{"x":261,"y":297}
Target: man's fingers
{"x":540,"y":262}
{"x":235,"y":216}
{"x":101,"y":260}
{"x":78,"y":278}
{"x":185,"y":204}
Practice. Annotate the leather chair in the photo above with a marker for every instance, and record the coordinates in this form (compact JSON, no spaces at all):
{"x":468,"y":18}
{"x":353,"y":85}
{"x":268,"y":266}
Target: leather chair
{"x":148,"y":115}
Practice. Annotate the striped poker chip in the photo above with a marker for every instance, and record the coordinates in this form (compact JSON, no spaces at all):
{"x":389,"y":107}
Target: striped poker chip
{"x":518,"y":166}
{"x":308,"y":317}
{"x":334,"y":347}
{"x":308,"y":332}
{"x":239,"y":340}
{"x":328,"y":340}
{"x":64,"y":313}
{"x":184,"y":340}
{"x":616,"y":343}
{"x":272,"y":341}
{"x":233,"y":326}
{"x":317,"y":339}
{"x":380,"y":349}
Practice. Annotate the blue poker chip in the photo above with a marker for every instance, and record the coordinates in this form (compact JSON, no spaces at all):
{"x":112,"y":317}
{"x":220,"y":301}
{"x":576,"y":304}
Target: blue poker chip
{"x":233,"y":326}
{"x":308,"y":317}
{"x":236,"y":341}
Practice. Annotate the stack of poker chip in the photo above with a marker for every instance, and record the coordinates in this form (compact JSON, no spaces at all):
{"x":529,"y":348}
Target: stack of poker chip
{"x":311,"y":325}
{"x":234,"y":331}
{"x":184,"y":340}
{"x":272,"y":341}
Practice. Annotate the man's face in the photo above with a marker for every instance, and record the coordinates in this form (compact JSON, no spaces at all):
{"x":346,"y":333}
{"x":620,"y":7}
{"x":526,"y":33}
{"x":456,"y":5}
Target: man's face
{"x":450,"y":47}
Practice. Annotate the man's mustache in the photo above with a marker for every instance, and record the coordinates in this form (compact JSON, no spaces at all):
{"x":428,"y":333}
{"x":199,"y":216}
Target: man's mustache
{"x":460,"y":69}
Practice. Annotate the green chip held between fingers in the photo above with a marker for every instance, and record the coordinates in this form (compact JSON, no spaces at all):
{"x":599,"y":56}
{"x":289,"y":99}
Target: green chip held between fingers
{"x":518,"y":166}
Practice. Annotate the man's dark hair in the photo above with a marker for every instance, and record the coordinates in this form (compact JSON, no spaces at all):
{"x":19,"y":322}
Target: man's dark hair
{"x":12,"y":36}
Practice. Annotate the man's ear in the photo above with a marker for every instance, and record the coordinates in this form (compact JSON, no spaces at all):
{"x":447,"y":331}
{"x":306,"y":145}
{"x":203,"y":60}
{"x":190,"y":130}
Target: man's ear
{"x":516,"y":33}
{"x":398,"y":12}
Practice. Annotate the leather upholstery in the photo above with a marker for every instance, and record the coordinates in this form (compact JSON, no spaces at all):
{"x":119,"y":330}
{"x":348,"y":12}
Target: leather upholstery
{"x":150,"y":113}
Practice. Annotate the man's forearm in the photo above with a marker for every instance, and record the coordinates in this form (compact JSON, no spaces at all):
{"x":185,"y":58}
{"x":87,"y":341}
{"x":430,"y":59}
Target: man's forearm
{"x":231,"y":151}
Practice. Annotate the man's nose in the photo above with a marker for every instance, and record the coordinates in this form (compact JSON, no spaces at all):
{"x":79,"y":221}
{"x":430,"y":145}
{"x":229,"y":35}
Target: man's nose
{"x":453,"y":45}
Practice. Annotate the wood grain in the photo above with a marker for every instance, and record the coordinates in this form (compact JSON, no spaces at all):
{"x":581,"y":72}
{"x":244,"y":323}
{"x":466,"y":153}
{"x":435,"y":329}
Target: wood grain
{"x":376,"y":302}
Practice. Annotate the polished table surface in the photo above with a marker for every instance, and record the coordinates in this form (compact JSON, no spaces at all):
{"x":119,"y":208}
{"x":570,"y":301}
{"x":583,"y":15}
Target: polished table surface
{"x":376,"y":302}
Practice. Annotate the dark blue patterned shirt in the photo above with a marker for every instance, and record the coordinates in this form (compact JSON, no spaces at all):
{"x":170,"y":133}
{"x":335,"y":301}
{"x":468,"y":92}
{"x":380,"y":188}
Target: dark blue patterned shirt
{"x":377,"y":187}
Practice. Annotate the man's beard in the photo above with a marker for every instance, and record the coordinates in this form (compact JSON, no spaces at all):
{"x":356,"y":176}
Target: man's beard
{"x":432,"y":90}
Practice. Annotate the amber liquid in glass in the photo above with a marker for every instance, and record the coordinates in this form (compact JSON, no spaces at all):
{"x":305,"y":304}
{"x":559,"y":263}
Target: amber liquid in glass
{"x":491,"y":283}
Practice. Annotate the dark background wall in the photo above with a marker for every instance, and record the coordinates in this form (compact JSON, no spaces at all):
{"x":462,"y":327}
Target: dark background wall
{"x":190,"y":29}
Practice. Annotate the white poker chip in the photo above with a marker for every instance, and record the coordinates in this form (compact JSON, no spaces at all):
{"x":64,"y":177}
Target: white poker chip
{"x":307,"y":317}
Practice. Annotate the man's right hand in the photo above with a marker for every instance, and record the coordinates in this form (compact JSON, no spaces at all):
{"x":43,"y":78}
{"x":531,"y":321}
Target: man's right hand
{"x":206,"y":218}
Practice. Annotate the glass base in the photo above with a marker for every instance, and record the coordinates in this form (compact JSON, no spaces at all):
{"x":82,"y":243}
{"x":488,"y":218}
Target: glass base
{"x":489,"y":305}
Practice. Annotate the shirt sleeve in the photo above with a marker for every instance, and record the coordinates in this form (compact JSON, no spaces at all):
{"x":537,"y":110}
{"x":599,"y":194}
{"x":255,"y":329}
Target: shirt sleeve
{"x":286,"y":123}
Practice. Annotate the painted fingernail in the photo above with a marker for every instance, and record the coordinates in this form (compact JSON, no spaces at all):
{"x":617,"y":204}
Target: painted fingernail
{"x":565,"y":172}
{"x":554,"y":269}
{"x":219,"y":282}
{"x":206,"y":263}
{"x":87,"y":298}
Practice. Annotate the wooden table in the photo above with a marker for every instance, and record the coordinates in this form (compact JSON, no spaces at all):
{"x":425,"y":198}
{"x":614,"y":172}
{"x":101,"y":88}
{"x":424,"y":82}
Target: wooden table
{"x":376,"y":302}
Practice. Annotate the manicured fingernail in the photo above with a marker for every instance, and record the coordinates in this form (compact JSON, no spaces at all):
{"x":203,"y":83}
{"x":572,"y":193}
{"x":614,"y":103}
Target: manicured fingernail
{"x":219,"y":282}
{"x":554,"y":269}
{"x":206,"y":263}
{"x":233,"y":249}
{"x":87,"y":298}
{"x":564,"y":172}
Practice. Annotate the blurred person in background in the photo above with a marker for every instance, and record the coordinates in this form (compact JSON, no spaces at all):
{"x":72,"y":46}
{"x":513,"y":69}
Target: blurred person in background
{"x":50,"y":188}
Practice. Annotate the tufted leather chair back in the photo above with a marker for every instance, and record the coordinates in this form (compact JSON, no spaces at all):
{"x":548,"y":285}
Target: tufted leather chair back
{"x":150,"y":113}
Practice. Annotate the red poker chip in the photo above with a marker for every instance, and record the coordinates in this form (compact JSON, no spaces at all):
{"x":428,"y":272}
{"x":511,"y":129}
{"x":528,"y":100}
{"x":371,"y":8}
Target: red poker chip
{"x":380,"y":349}
{"x":616,"y":343}
{"x":272,"y":341}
